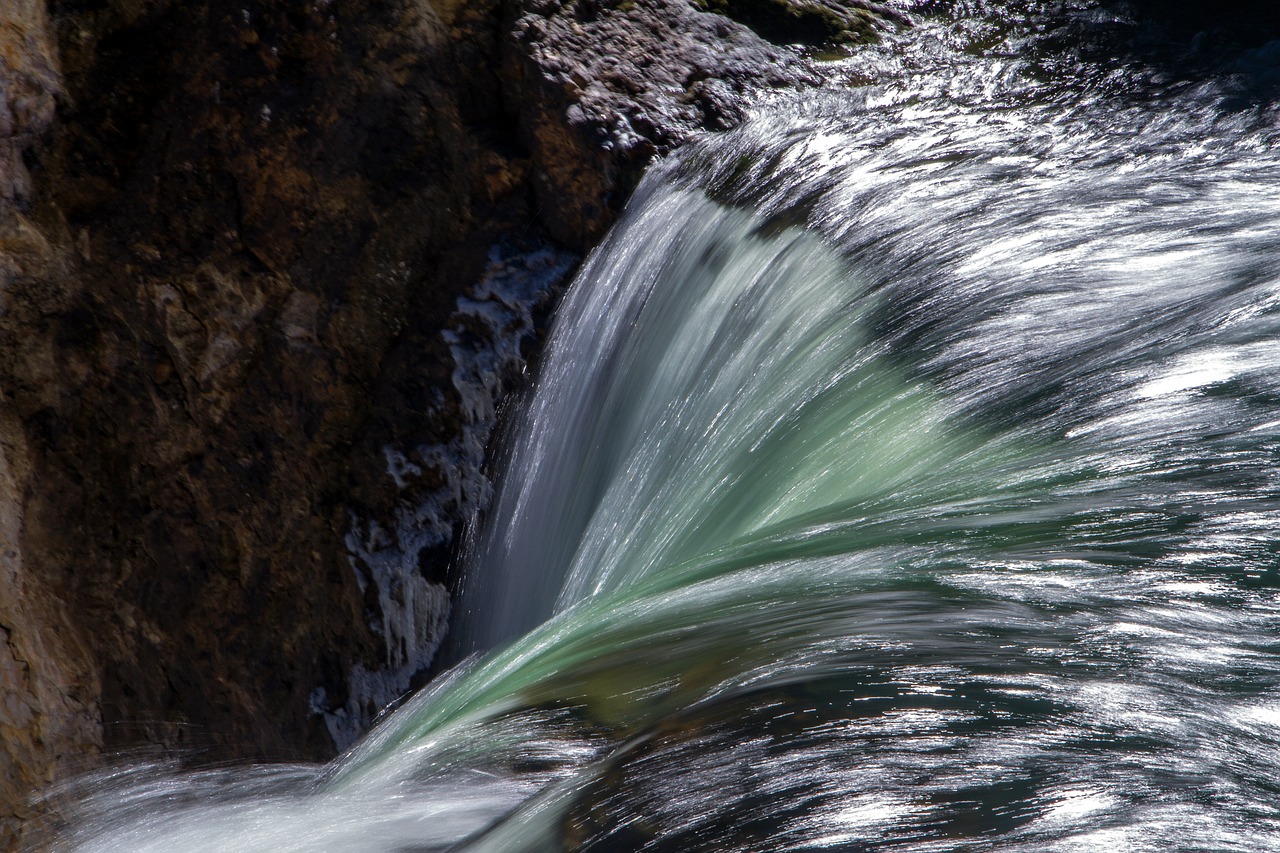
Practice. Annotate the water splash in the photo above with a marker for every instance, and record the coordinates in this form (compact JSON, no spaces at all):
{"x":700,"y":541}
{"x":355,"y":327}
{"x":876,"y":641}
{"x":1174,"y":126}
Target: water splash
{"x":902,"y":475}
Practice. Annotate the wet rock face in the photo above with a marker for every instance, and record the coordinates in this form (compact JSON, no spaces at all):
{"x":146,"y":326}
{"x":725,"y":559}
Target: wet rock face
{"x":265,"y":277}
{"x":810,"y":22}
{"x":49,"y":714}
{"x":28,"y":85}
{"x":609,"y":84}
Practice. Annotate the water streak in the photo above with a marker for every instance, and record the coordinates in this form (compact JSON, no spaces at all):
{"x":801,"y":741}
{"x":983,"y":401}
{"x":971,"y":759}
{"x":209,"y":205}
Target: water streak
{"x":903,"y":475}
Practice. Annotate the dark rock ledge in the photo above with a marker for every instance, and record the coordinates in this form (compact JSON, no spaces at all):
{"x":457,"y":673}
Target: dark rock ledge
{"x":268,"y":269}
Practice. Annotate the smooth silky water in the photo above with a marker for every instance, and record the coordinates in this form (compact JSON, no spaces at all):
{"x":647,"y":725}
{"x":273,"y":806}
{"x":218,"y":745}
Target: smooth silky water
{"x":904,"y":474}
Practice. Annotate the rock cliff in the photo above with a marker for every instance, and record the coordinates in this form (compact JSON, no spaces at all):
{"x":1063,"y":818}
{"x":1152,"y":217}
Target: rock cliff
{"x":268,"y":269}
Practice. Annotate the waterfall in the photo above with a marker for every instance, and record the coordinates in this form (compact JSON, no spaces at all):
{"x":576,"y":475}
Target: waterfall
{"x":904,"y":473}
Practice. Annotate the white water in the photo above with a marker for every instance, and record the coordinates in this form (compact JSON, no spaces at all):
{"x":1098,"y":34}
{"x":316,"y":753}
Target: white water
{"x":903,"y":475}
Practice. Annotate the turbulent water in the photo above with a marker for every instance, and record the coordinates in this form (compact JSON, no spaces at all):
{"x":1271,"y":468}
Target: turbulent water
{"x":904,"y":474}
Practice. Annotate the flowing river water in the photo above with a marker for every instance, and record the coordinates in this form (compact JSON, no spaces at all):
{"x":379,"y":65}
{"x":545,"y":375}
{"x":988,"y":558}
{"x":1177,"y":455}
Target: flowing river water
{"x":903,"y":474}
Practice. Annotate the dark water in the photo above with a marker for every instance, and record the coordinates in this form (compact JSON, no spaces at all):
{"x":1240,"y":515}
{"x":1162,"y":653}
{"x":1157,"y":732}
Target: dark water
{"x":904,"y":475}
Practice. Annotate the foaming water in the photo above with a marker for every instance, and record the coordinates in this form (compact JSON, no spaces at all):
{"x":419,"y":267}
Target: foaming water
{"x":902,"y":475}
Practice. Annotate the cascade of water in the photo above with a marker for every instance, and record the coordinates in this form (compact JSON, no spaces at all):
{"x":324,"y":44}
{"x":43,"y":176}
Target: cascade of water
{"x":903,"y":475}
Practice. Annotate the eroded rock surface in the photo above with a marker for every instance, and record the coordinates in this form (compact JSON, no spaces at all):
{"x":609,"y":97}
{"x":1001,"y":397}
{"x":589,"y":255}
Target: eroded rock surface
{"x":234,"y":237}
{"x":608,"y":85}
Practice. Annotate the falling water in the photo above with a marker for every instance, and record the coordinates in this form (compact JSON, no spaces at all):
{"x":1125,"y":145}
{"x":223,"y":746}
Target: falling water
{"x":904,"y":473}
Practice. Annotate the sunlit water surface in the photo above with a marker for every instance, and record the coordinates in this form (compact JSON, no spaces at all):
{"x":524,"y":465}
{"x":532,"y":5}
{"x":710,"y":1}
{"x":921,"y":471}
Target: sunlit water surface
{"x":904,"y":474}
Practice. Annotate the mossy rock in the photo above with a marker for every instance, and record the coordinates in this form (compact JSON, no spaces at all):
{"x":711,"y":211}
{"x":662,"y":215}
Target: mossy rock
{"x":808,"y":22}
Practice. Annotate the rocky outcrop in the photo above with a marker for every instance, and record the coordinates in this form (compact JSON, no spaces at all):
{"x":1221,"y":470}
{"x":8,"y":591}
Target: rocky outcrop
{"x":267,"y":270}
{"x":50,"y":720}
{"x":597,"y":116}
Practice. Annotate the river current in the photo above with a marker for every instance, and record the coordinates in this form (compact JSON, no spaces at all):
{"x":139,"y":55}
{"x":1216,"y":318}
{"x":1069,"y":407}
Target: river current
{"x":903,"y":474}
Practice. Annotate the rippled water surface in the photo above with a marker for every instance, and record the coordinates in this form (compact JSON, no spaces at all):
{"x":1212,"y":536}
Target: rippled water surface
{"x":904,"y":475}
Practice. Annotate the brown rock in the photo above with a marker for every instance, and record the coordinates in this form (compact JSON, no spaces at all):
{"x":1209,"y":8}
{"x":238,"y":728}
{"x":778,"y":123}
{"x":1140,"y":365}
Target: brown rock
{"x":50,"y":722}
{"x":604,"y":87}
{"x":28,"y":85}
